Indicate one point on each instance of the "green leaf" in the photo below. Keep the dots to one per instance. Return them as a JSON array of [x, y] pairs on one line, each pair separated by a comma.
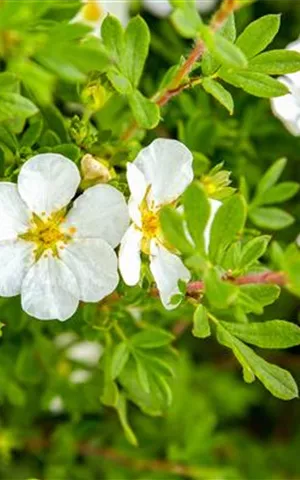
[[9, 82], [280, 193], [272, 334], [136, 47], [222, 49], [201, 327], [271, 218], [254, 297], [186, 20], [258, 35], [113, 36], [14, 105], [270, 177], [255, 83], [228, 223], [33, 132], [119, 82], [173, 229], [276, 62], [142, 374], [253, 250], [196, 211], [120, 357], [278, 381], [219, 93], [220, 294], [291, 265], [69, 150], [121, 408], [151, 338], [144, 110]]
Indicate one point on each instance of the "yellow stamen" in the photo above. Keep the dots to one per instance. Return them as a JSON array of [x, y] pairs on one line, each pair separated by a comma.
[[92, 11], [47, 234]]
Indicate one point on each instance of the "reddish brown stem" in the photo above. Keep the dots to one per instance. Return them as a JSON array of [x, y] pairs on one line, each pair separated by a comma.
[[161, 99], [276, 278]]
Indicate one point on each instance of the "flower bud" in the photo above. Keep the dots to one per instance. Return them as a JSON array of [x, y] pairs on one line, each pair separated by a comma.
[[96, 169]]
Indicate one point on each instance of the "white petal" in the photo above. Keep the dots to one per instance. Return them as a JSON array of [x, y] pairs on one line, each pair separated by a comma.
[[64, 339], [50, 290], [167, 166], [48, 182], [94, 264], [137, 183], [130, 256], [79, 376], [167, 269], [16, 258], [118, 8], [205, 5], [135, 212], [100, 212], [162, 8], [14, 214], [88, 353], [56, 405], [214, 207]]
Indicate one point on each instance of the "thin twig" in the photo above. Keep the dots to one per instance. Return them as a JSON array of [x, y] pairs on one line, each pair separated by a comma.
[[175, 88]]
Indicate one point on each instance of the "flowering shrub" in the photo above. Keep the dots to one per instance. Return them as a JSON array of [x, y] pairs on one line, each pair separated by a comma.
[[143, 218]]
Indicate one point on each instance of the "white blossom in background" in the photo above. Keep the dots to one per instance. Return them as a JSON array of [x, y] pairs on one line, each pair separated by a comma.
[[82, 354], [158, 176], [93, 12], [51, 256], [287, 107], [163, 8]]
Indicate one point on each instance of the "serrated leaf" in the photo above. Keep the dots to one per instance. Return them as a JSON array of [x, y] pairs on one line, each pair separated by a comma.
[[276, 62], [219, 93], [228, 223], [144, 110], [271, 218], [196, 211], [255, 83], [271, 334], [201, 327], [173, 229], [258, 35], [253, 250]]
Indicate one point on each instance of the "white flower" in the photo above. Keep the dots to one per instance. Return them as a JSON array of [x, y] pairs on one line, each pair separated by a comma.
[[287, 107], [51, 256], [162, 8], [93, 13], [158, 176], [88, 353]]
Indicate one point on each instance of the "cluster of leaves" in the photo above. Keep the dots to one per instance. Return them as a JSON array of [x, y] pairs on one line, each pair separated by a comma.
[[64, 91]]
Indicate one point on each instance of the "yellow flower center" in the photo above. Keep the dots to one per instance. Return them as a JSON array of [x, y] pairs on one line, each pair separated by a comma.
[[46, 233], [150, 227], [92, 11]]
